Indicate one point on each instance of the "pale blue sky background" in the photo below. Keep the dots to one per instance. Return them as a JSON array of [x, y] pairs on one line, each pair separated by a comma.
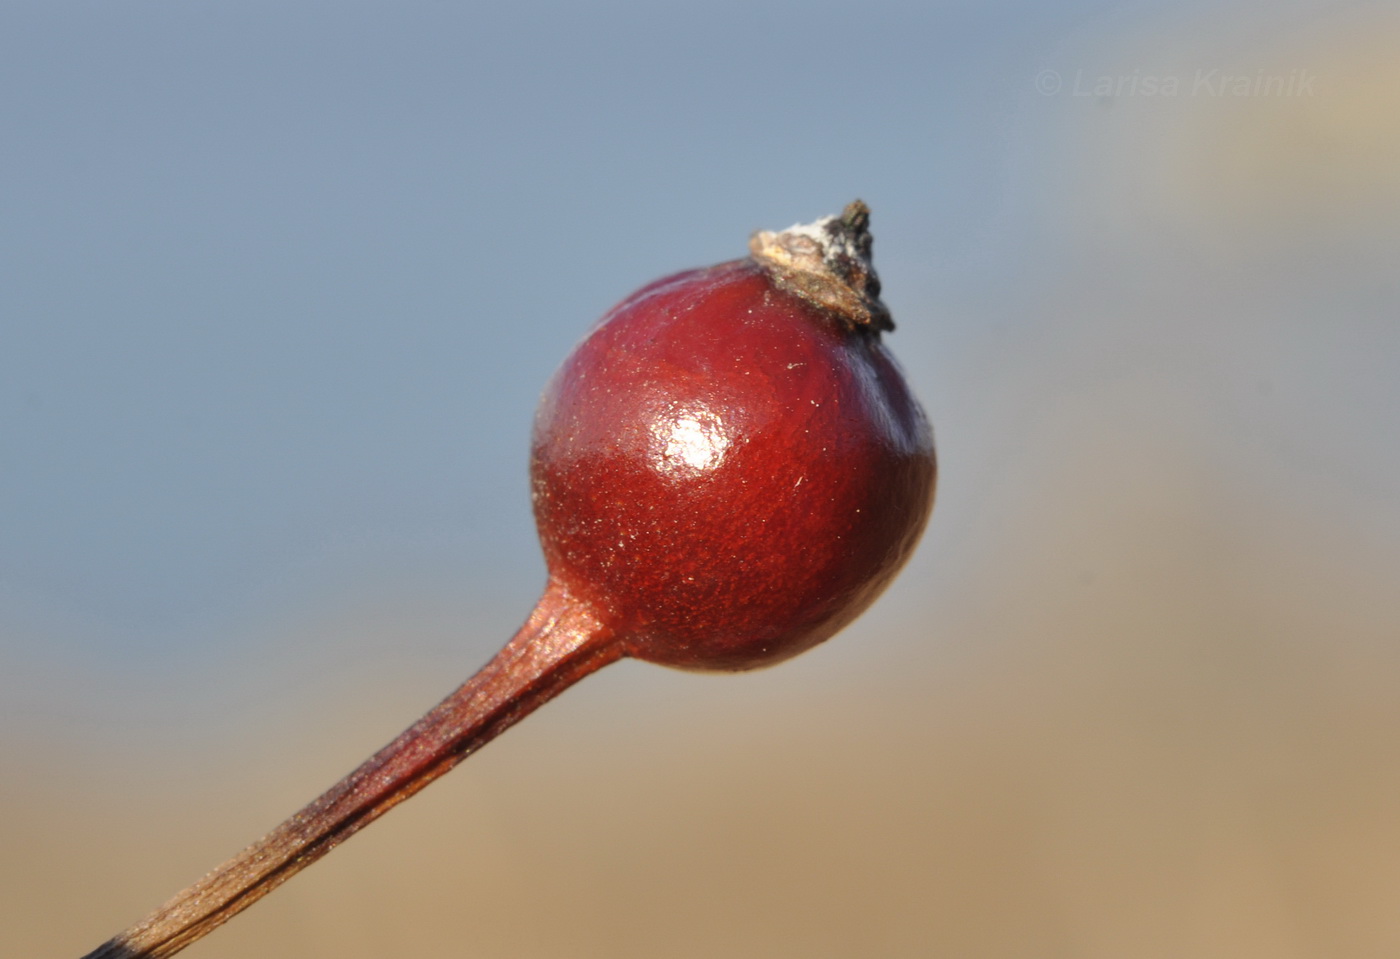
[[281, 282]]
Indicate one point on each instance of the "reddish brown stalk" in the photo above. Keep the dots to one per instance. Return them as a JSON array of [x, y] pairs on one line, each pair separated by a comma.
[[560, 643]]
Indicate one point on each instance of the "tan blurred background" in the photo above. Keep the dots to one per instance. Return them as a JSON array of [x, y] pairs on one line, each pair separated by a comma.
[[1138, 695]]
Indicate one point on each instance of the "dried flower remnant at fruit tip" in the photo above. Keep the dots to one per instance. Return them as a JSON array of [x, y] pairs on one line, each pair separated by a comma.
[[828, 263]]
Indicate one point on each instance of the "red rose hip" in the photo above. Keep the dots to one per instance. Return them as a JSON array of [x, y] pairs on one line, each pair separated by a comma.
[[730, 466], [725, 472]]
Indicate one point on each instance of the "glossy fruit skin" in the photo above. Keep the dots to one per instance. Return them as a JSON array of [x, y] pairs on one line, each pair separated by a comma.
[[727, 471]]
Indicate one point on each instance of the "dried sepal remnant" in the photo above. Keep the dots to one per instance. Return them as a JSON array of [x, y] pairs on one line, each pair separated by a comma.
[[828, 263]]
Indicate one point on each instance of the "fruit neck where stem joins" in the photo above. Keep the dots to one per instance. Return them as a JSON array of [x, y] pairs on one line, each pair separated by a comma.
[[560, 643]]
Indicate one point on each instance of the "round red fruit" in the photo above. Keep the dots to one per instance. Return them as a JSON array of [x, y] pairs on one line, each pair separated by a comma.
[[730, 467]]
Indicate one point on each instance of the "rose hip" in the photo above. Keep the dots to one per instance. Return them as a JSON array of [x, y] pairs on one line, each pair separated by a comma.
[[725, 472], [729, 469]]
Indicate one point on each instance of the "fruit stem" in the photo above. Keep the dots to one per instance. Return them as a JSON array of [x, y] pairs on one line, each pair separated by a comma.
[[561, 642]]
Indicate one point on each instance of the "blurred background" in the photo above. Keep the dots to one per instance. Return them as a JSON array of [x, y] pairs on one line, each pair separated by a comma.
[[280, 284]]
